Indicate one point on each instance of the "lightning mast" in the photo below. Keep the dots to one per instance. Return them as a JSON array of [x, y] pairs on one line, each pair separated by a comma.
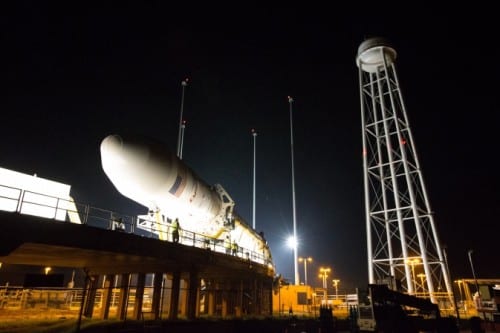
[[180, 138], [295, 241], [254, 135], [402, 238]]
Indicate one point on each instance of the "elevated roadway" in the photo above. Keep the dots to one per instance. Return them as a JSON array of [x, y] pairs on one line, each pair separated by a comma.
[[32, 240]]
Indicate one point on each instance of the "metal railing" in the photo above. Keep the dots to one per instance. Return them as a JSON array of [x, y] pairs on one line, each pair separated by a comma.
[[17, 200]]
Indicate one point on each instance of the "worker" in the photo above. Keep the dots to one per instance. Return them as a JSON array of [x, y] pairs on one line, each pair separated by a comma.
[[261, 234], [175, 230], [207, 243], [117, 224], [234, 248], [227, 244]]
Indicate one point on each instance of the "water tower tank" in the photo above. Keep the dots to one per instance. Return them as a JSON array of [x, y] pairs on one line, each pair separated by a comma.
[[370, 54]]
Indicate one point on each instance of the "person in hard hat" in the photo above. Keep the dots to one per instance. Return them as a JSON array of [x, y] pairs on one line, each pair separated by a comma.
[[175, 230], [227, 244], [234, 248]]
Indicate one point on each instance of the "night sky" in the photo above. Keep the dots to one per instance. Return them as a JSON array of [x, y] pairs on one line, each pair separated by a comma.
[[74, 73]]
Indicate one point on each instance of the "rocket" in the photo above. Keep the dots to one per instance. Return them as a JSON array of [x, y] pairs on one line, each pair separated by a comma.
[[145, 171]]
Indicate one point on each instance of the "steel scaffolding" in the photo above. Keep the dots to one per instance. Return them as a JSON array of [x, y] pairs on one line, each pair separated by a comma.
[[402, 238]]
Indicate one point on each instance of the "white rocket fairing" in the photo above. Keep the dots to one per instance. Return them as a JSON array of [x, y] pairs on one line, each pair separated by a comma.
[[146, 172]]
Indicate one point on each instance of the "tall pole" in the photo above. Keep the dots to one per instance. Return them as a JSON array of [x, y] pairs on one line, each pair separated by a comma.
[[454, 298], [336, 285], [459, 282], [475, 282], [305, 267], [305, 272], [296, 269], [254, 134], [323, 273], [183, 129], [179, 138], [474, 272]]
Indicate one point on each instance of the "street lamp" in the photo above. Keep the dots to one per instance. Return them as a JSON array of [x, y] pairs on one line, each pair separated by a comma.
[[459, 282], [478, 304], [47, 270], [412, 263], [336, 285], [292, 243], [323, 273], [305, 260]]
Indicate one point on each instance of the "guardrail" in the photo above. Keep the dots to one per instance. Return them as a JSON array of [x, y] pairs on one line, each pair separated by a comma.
[[17, 200]]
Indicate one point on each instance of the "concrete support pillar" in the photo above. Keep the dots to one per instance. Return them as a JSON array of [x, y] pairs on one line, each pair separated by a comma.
[[256, 291], [268, 295], [224, 293], [262, 298], [193, 295], [238, 306], [183, 297], [211, 298], [139, 295], [174, 298], [123, 300], [157, 292], [91, 293], [106, 295]]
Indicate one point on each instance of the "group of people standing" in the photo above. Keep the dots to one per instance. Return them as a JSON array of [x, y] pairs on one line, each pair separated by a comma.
[[231, 247]]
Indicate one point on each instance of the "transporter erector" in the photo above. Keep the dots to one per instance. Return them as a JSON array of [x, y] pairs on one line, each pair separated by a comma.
[[145, 171]]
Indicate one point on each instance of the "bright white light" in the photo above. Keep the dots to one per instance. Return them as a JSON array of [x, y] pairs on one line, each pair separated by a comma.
[[292, 242]]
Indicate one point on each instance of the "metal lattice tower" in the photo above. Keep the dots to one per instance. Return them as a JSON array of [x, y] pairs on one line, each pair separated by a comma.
[[402, 239]]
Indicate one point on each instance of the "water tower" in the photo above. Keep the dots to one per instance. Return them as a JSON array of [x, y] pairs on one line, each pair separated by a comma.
[[402, 239]]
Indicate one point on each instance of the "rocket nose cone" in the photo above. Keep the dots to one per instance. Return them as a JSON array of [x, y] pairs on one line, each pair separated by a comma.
[[111, 145], [122, 155]]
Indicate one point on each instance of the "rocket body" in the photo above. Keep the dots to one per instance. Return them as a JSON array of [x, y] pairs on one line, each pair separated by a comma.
[[146, 172]]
